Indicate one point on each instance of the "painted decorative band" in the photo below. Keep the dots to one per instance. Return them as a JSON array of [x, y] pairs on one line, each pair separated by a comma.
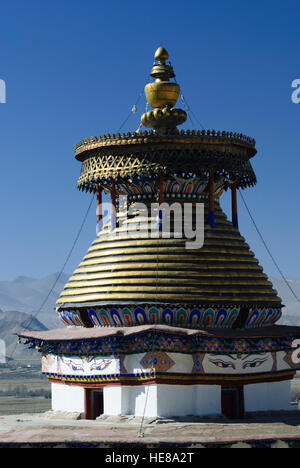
[[197, 317]]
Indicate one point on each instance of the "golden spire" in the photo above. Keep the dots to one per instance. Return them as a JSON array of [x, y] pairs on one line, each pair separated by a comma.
[[162, 95]]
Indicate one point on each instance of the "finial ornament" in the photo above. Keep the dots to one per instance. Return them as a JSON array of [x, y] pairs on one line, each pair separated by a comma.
[[162, 95], [161, 55]]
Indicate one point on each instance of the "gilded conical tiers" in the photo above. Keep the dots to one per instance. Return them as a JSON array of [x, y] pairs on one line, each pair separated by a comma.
[[128, 279]]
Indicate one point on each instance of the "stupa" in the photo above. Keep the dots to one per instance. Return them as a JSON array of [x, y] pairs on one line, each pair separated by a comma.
[[168, 321]]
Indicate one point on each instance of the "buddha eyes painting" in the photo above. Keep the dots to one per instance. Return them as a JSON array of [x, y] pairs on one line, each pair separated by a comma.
[[76, 365], [247, 363]]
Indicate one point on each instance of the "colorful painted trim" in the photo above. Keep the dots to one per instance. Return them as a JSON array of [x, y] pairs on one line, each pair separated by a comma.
[[182, 316], [71, 318], [171, 187], [175, 378], [261, 317], [162, 341]]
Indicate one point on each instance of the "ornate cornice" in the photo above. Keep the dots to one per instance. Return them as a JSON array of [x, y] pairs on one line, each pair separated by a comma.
[[161, 341], [183, 137], [186, 154]]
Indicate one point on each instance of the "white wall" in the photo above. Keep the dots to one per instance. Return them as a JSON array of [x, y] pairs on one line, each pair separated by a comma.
[[116, 400], [268, 396], [162, 400], [112, 397], [175, 400], [207, 400], [184, 400], [130, 400], [68, 398], [171, 400], [143, 400]]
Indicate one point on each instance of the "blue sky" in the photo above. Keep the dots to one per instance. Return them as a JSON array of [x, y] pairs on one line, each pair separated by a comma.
[[75, 68]]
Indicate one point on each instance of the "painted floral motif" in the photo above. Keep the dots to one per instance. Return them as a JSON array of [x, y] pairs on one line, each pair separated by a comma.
[[159, 361], [193, 186]]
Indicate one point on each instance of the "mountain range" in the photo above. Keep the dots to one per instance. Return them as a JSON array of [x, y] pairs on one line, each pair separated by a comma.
[[291, 311], [10, 324], [20, 302], [26, 295]]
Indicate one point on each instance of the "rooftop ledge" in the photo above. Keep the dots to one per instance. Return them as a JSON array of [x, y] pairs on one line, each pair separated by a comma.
[[182, 136], [81, 333]]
